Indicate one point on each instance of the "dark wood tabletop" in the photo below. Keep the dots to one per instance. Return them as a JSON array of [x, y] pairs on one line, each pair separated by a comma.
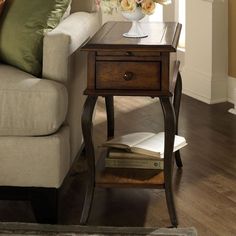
[[162, 36]]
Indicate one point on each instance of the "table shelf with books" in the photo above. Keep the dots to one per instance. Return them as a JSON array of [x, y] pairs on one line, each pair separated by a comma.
[[119, 66], [127, 177], [134, 160]]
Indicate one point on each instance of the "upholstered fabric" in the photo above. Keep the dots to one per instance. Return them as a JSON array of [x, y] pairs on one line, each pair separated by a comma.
[[83, 5], [64, 41], [70, 67], [77, 83], [67, 12], [44, 161], [30, 106], [71, 70], [35, 161], [23, 25], [76, 87]]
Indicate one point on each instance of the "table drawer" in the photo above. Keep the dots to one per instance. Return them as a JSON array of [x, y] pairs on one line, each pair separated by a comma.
[[128, 75]]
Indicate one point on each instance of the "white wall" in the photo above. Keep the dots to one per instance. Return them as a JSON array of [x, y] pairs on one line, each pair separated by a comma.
[[205, 75]]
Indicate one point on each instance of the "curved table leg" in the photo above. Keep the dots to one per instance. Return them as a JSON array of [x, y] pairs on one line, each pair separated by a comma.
[[177, 92], [169, 120], [178, 160], [110, 116], [89, 155], [176, 104]]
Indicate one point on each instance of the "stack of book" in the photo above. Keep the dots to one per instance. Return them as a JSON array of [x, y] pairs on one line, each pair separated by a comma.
[[141, 150]]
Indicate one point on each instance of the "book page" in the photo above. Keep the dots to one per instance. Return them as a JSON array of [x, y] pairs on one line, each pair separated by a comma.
[[179, 143], [155, 145], [128, 140]]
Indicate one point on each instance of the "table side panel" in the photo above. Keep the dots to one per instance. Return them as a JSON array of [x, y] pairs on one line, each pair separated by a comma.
[[91, 70], [172, 61]]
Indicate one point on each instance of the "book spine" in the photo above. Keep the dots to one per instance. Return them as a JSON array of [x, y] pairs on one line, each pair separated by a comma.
[[136, 164], [130, 155]]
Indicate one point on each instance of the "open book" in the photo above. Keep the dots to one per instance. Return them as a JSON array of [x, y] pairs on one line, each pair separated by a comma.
[[145, 143]]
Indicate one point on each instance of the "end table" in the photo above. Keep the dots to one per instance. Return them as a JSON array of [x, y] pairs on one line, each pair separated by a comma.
[[119, 66]]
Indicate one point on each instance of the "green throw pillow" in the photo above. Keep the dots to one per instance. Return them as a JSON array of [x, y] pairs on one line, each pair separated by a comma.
[[22, 27]]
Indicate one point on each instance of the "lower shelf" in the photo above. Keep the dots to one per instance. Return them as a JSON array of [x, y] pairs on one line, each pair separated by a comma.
[[115, 177]]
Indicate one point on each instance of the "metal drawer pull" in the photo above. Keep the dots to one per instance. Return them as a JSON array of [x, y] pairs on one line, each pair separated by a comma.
[[128, 76]]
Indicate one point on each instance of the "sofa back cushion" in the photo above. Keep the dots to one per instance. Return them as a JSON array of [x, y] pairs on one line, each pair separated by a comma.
[[84, 5], [23, 25]]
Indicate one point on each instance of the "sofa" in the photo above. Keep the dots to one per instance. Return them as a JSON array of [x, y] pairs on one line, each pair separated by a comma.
[[40, 128]]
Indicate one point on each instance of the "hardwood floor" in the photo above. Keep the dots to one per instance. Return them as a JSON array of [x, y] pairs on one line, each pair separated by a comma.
[[205, 189]]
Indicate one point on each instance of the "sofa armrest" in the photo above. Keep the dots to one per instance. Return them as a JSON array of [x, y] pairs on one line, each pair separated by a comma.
[[64, 40]]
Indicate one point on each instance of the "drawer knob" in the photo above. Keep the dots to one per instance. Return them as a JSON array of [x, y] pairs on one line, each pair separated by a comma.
[[129, 54], [128, 76]]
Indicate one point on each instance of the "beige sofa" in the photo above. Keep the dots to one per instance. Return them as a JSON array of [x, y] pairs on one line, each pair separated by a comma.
[[40, 133]]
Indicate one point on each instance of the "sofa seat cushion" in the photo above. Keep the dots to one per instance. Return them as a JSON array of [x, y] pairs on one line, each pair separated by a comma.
[[30, 106], [35, 161]]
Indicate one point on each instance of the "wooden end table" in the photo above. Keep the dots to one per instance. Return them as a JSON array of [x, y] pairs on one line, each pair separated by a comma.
[[119, 66]]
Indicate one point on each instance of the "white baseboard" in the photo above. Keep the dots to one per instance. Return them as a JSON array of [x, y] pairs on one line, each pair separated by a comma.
[[231, 89], [202, 98], [204, 87], [200, 91]]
